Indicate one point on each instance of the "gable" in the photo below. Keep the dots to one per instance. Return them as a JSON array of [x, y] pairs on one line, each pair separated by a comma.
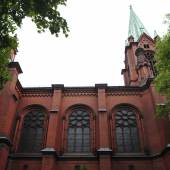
[[146, 42]]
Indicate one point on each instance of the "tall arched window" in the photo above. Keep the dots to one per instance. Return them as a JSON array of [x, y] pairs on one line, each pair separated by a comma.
[[127, 137], [32, 133], [78, 134], [152, 62]]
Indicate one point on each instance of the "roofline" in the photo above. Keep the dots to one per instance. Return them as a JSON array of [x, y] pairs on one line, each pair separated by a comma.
[[89, 88]]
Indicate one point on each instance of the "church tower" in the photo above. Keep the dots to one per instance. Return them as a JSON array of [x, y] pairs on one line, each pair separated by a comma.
[[139, 53]]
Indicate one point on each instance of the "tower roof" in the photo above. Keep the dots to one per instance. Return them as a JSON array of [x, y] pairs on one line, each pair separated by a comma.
[[136, 27]]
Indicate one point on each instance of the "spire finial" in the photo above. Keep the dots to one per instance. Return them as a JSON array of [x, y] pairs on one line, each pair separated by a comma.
[[130, 7]]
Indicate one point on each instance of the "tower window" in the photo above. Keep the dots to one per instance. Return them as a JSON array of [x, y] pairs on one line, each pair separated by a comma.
[[152, 62], [146, 45], [32, 132], [127, 138], [78, 135]]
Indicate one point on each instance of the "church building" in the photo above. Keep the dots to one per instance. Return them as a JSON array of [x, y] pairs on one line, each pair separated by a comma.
[[88, 128]]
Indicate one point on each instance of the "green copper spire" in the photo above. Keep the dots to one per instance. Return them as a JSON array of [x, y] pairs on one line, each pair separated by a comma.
[[136, 28]]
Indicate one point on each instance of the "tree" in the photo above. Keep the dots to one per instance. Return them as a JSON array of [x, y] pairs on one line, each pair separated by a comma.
[[162, 80], [44, 13]]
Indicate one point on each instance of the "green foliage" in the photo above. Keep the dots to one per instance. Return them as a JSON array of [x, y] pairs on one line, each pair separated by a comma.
[[44, 13], [162, 81], [5, 53]]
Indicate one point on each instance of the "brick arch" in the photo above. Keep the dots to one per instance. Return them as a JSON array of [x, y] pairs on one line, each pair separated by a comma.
[[20, 122], [27, 108], [92, 126], [127, 105], [139, 120], [79, 105]]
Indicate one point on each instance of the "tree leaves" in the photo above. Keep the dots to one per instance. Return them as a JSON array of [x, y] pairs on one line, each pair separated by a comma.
[[44, 14], [162, 81]]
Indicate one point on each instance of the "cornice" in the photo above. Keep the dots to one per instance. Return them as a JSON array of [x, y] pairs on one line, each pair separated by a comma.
[[83, 91], [101, 86], [15, 65], [33, 91], [49, 151], [37, 92], [91, 156], [36, 95], [57, 86], [124, 93], [104, 151], [128, 90]]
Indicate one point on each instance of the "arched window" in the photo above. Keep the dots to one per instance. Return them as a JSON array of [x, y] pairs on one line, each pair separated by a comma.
[[32, 133], [78, 133], [127, 138], [152, 62]]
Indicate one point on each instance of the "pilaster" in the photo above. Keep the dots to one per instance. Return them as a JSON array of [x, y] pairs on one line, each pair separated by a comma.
[[52, 148], [8, 105], [9, 100], [104, 152], [102, 115]]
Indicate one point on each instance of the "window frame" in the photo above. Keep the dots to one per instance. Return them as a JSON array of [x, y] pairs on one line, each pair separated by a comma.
[[91, 129], [19, 129], [139, 126]]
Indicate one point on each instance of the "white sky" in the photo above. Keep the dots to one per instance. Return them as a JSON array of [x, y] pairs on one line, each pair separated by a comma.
[[94, 51]]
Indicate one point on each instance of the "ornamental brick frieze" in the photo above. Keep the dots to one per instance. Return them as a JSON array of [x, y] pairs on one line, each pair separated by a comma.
[[36, 95], [79, 94], [36, 92], [124, 93], [70, 92]]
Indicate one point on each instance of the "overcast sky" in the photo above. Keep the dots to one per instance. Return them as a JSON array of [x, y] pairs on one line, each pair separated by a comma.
[[94, 51]]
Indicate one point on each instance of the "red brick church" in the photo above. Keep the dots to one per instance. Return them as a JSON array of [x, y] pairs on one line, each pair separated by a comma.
[[88, 128]]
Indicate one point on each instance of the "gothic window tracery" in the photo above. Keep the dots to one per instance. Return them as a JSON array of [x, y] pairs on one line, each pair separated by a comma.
[[32, 133], [127, 138], [78, 134], [150, 58]]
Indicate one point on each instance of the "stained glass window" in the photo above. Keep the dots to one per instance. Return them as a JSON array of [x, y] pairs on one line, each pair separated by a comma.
[[127, 138], [32, 132], [78, 138]]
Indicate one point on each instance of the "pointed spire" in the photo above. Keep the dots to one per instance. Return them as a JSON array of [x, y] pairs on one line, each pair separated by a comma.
[[136, 27]]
